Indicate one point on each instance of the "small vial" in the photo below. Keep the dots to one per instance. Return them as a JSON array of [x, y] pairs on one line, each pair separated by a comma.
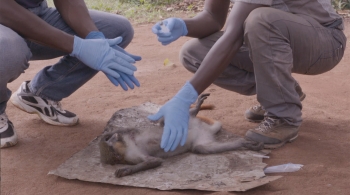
[[163, 28]]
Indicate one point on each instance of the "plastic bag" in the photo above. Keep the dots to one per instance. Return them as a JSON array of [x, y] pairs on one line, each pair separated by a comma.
[[290, 167], [168, 63]]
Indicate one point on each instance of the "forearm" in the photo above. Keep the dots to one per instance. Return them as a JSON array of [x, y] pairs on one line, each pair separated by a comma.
[[202, 25], [210, 20], [28, 25], [215, 62], [224, 49], [76, 15]]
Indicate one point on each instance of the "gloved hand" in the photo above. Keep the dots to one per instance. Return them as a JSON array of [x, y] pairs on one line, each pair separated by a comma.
[[99, 55], [176, 28], [176, 113], [130, 80]]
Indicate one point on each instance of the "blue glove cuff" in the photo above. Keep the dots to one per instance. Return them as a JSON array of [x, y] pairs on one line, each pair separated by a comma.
[[76, 46], [95, 35], [187, 93], [184, 27]]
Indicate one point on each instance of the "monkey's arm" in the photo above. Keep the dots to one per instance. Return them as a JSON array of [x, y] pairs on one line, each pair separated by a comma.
[[149, 163]]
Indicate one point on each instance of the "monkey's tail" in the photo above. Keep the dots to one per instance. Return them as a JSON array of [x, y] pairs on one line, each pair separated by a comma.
[[205, 107]]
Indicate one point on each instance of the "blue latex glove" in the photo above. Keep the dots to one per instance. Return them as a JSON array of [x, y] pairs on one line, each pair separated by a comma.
[[176, 28], [124, 80], [176, 113], [98, 54]]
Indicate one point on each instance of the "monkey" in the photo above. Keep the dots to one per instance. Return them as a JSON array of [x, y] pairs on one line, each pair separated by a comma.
[[141, 149]]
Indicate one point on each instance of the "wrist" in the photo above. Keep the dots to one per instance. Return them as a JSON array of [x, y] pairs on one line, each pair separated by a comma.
[[95, 35], [184, 27], [187, 93], [67, 43], [77, 42]]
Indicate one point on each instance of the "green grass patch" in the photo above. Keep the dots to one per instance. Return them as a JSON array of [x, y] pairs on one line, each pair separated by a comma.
[[138, 11], [341, 4], [144, 11]]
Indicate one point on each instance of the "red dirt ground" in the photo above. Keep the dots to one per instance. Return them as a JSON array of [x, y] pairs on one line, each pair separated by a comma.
[[323, 144]]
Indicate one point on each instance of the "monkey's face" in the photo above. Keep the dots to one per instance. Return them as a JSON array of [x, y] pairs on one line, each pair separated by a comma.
[[117, 147]]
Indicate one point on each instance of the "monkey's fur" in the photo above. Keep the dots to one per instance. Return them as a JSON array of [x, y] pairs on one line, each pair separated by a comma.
[[141, 149]]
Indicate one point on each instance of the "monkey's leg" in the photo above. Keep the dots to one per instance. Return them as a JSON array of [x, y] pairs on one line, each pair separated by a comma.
[[150, 163], [194, 111], [217, 147]]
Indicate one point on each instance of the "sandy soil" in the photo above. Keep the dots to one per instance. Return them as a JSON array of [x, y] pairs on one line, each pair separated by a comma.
[[323, 144]]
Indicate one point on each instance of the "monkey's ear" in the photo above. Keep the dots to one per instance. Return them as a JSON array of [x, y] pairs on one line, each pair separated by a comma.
[[112, 139], [106, 137], [109, 143]]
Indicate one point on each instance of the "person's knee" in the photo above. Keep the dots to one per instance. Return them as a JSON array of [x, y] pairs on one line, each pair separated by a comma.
[[259, 20], [128, 33], [188, 55], [14, 57], [119, 26]]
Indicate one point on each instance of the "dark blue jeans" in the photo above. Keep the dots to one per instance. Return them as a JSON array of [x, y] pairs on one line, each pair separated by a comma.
[[60, 80]]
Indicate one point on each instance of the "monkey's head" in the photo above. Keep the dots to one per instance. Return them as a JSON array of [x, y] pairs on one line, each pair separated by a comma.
[[112, 149]]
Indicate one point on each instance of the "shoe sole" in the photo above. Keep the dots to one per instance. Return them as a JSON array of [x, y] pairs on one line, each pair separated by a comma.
[[253, 121], [9, 142], [15, 101], [275, 146], [302, 97]]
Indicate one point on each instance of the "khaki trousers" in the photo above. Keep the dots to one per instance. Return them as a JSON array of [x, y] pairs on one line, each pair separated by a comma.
[[276, 44]]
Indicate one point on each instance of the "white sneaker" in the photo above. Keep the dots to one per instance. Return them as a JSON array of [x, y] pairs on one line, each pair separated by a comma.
[[7, 133], [49, 111]]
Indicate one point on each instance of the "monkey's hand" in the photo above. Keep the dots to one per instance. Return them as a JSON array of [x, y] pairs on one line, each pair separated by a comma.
[[253, 145], [123, 172]]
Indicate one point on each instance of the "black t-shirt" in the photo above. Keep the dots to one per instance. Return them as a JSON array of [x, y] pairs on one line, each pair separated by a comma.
[[29, 3]]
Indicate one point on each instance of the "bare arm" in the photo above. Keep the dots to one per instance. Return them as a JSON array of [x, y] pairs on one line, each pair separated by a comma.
[[30, 26], [76, 15], [210, 20], [224, 49]]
